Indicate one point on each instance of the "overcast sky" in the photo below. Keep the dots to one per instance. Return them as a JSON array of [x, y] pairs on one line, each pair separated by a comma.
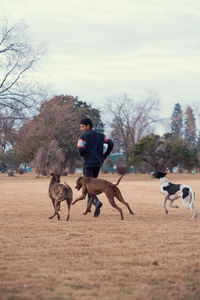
[[100, 49]]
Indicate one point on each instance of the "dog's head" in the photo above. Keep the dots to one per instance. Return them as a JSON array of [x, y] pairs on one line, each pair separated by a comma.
[[158, 174], [55, 178], [79, 183]]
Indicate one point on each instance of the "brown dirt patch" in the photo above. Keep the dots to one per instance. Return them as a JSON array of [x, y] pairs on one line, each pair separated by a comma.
[[146, 256]]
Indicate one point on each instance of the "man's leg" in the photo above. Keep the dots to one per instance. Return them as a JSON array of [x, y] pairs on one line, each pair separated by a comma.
[[93, 172], [98, 203], [88, 172]]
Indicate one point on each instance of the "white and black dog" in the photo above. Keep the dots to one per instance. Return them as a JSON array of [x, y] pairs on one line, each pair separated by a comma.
[[173, 191]]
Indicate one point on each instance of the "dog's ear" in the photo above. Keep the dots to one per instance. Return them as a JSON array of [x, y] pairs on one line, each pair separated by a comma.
[[51, 174], [160, 174], [78, 183]]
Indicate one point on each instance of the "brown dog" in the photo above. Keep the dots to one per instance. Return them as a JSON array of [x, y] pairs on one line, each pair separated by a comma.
[[59, 192], [94, 186]]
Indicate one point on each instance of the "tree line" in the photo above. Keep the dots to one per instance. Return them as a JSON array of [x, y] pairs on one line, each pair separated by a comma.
[[49, 139], [180, 147], [42, 130]]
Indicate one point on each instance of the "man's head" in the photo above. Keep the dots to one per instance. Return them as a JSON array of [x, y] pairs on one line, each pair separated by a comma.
[[85, 124]]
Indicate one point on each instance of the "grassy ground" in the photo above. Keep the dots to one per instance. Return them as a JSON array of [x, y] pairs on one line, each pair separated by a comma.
[[146, 256]]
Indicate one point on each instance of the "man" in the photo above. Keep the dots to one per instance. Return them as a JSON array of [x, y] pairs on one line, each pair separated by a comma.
[[91, 148]]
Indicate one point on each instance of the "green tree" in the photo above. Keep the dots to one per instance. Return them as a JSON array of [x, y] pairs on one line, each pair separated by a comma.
[[161, 153], [12, 161], [177, 121], [7, 133]]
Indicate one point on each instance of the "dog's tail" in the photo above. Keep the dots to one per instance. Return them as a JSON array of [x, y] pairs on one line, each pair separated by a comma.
[[66, 184], [119, 180], [192, 195], [195, 213]]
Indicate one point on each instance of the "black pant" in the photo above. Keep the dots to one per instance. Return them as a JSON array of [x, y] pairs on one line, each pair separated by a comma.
[[92, 172]]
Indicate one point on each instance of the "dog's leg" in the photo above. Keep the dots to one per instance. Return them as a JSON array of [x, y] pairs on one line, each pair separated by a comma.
[[52, 216], [84, 194], [173, 205], [68, 206], [118, 195], [92, 197], [164, 204], [57, 202], [57, 205], [53, 202], [78, 199], [112, 202]]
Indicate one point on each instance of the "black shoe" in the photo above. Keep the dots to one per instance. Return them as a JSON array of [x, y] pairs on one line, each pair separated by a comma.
[[97, 209]]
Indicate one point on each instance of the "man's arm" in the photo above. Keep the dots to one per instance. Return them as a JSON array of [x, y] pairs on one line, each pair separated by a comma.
[[110, 144], [81, 146]]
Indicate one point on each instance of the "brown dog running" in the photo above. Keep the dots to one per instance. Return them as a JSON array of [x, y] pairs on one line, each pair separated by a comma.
[[59, 192], [94, 186]]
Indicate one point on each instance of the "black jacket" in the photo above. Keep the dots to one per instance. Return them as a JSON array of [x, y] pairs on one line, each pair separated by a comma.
[[91, 148]]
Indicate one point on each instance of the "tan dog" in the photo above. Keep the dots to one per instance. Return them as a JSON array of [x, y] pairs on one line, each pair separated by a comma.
[[94, 186], [59, 192]]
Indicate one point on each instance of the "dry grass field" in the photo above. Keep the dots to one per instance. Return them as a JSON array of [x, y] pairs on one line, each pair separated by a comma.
[[146, 256]]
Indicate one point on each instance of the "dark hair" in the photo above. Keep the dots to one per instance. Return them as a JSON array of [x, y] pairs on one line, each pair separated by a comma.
[[86, 122]]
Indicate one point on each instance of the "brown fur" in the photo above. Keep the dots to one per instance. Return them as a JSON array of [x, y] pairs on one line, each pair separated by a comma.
[[94, 186], [59, 192]]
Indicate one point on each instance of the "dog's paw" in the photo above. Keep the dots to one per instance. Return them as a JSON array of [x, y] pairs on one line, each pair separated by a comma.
[[73, 203]]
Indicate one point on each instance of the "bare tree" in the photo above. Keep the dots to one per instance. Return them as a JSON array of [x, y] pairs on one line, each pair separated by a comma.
[[131, 120], [190, 127], [196, 111], [7, 133], [49, 159], [17, 58]]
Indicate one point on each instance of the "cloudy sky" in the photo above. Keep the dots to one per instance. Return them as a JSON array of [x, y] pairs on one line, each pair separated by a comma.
[[101, 49]]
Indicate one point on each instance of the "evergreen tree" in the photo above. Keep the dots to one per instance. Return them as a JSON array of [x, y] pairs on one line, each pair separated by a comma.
[[190, 128], [177, 121]]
